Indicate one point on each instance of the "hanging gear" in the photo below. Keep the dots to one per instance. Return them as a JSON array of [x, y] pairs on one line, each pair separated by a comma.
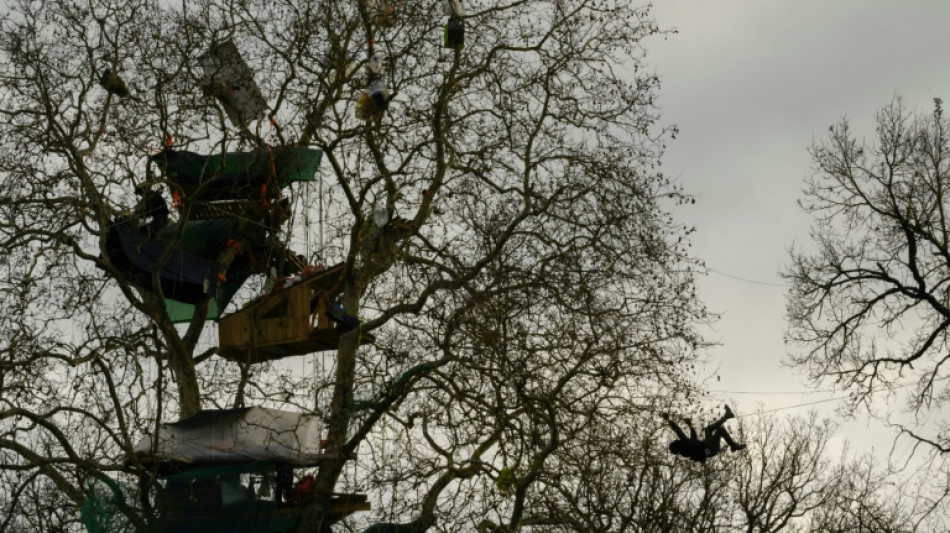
[[113, 84], [454, 34], [379, 94], [374, 100]]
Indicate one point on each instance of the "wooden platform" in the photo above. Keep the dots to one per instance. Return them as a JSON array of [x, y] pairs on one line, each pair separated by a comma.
[[343, 505], [288, 322], [249, 209]]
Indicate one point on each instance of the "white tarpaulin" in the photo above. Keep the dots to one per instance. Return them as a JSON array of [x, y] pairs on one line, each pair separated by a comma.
[[228, 78], [237, 436]]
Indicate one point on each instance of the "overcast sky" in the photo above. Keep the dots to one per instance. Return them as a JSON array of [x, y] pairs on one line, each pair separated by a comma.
[[751, 83]]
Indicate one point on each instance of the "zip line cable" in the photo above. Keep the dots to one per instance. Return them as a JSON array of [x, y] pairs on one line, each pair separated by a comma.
[[827, 400], [772, 393], [721, 393], [826, 391], [745, 280], [796, 406]]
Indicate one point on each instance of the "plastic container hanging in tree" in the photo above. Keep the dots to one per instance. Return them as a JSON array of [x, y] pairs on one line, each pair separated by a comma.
[[454, 35]]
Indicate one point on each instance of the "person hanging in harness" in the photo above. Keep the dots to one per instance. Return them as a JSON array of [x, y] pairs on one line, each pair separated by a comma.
[[698, 450]]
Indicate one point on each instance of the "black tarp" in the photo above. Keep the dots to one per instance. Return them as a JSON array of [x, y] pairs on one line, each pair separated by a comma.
[[190, 273]]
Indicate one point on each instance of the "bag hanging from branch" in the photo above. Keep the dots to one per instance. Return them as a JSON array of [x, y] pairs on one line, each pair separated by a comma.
[[454, 35], [374, 100], [113, 84]]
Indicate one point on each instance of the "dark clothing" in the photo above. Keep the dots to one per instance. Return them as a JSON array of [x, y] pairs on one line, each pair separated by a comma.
[[694, 449], [698, 450], [345, 321], [152, 207], [285, 484]]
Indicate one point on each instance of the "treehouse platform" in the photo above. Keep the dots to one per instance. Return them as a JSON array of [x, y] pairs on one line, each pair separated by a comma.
[[287, 322]]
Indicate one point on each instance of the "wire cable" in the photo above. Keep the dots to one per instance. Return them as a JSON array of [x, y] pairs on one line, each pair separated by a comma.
[[746, 280], [834, 399]]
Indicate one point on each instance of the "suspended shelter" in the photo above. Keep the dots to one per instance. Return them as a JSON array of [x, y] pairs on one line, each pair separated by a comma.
[[228, 471], [233, 205], [256, 176], [230, 80], [234, 436], [301, 318], [212, 258]]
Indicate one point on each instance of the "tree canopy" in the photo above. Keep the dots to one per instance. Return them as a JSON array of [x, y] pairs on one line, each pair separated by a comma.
[[868, 306], [516, 302], [498, 206]]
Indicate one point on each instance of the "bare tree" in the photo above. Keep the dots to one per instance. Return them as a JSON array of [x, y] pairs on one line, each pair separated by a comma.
[[788, 474], [864, 498], [502, 224], [785, 480], [869, 306]]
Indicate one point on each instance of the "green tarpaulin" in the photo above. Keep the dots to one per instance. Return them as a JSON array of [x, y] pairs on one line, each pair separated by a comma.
[[237, 175], [181, 312]]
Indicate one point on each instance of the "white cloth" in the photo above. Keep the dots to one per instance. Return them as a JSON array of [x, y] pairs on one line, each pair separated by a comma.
[[238, 435], [453, 8]]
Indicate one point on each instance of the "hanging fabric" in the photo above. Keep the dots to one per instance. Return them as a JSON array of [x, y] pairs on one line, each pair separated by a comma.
[[229, 79], [190, 273]]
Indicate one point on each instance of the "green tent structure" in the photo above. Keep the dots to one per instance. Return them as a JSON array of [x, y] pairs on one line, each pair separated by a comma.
[[236, 175], [230, 198]]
